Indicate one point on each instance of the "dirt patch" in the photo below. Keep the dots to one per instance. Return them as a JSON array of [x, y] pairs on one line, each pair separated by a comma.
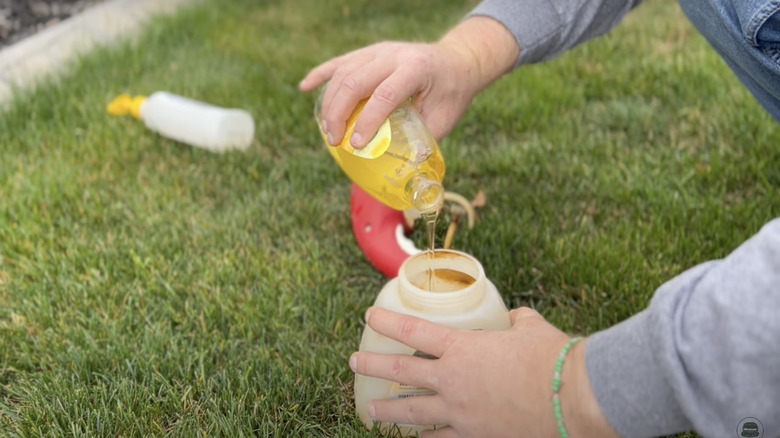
[[22, 18]]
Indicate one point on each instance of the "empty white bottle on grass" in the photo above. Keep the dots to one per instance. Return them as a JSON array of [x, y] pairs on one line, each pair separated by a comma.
[[189, 121], [449, 288]]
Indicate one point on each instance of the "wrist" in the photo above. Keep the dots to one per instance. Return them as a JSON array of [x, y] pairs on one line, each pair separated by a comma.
[[487, 47], [581, 412]]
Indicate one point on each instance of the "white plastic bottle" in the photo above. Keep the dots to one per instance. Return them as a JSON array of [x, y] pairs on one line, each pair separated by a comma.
[[189, 121], [450, 289]]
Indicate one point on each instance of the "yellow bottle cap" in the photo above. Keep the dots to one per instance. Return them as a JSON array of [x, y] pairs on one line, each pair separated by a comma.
[[125, 105]]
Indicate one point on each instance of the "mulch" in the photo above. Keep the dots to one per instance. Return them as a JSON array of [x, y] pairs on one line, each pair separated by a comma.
[[22, 18]]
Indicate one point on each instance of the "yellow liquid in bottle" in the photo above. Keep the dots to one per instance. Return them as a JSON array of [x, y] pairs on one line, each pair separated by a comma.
[[408, 167]]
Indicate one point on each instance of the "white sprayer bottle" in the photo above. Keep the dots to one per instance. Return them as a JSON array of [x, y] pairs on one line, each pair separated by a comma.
[[449, 288], [189, 121]]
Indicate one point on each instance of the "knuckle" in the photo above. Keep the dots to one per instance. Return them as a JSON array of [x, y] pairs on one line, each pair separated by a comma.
[[386, 94], [449, 339], [350, 83], [384, 45], [412, 411], [406, 330], [398, 369], [422, 61], [525, 312]]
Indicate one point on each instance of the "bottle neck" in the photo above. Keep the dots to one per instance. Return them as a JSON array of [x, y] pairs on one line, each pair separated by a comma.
[[425, 193], [442, 282]]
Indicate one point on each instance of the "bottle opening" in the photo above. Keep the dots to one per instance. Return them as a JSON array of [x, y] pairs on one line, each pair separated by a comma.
[[449, 281], [427, 194]]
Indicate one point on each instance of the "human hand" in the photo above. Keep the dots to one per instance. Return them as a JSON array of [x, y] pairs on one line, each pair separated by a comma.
[[488, 383], [441, 78], [436, 76]]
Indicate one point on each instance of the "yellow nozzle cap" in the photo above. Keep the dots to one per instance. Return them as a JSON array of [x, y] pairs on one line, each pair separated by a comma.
[[126, 105]]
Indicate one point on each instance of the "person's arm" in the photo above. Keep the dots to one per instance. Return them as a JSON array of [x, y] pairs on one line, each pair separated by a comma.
[[580, 409], [704, 355], [490, 45], [443, 77], [544, 29]]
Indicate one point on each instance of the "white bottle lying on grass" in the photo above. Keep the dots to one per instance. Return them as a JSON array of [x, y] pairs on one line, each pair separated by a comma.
[[189, 121]]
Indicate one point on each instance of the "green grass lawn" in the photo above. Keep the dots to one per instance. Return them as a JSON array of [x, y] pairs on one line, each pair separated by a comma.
[[151, 289]]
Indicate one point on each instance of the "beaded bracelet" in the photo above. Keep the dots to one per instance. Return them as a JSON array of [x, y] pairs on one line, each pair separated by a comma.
[[557, 386]]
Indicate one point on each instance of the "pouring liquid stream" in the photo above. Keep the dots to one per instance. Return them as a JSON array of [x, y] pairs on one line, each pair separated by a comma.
[[430, 226]]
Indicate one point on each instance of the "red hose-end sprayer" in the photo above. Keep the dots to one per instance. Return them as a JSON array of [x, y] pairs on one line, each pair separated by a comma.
[[380, 232]]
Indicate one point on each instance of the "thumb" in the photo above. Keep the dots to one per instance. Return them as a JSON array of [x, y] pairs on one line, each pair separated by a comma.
[[523, 314]]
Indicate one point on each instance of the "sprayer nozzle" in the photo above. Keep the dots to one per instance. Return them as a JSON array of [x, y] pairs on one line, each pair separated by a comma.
[[125, 105]]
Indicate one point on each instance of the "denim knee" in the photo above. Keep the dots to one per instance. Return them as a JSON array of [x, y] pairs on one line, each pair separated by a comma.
[[746, 33]]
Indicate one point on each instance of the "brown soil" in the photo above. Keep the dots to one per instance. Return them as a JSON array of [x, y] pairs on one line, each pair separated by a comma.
[[22, 18]]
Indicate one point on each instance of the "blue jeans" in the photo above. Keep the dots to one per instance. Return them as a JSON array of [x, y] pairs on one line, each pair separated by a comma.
[[746, 33]]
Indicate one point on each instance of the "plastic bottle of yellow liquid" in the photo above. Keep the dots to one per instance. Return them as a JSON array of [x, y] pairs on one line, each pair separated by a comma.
[[450, 289], [401, 166], [189, 121]]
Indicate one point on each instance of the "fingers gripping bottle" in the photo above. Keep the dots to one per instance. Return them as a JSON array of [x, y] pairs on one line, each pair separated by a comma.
[[401, 166], [450, 289]]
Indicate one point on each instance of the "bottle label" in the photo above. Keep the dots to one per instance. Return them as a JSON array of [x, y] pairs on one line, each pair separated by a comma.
[[400, 391], [375, 148], [378, 144]]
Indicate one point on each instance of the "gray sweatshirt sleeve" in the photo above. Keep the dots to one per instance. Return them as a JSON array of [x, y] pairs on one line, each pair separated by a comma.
[[546, 28], [704, 355]]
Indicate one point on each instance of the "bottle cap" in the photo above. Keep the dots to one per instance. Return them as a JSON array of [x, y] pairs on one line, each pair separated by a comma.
[[125, 104]]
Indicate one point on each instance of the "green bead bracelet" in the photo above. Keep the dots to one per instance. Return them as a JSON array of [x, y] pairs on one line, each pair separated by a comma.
[[557, 386]]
